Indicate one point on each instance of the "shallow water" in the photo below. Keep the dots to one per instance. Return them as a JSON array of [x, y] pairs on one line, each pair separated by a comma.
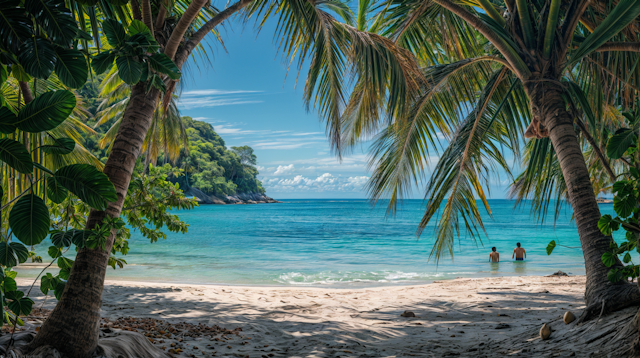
[[341, 243]]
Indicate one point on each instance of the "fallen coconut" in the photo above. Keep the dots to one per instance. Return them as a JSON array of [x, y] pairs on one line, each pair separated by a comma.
[[545, 332], [569, 317], [408, 314]]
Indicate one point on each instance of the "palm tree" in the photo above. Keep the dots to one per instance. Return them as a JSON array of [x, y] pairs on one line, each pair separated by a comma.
[[167, 132], [307, 30], [542, 70]]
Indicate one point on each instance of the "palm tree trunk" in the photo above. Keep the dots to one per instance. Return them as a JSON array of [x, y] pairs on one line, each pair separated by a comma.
[[549, 108], [73, 325]]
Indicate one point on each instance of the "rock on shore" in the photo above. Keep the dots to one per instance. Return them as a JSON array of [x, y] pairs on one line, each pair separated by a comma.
[[242, 198]]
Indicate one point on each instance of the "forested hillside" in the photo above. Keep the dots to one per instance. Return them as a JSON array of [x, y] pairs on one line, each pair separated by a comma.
[[197, 149]]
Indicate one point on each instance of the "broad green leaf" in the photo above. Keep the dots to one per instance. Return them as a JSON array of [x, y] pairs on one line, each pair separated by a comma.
[[551, 246], [71, 67], [64, 274], [9, 284], [627, 258], [87, 183], [606, 224], [163, 64], [622, 15], [56, 192], [60, 284], [80, 237], [46, 112], [60, 146], [54, 252], [608, 259], [114, 31], [620, 142], [15, 26], [13, 253], [18, 304], [624, 204], [15, 155], [19, 74], [138, 26], [7, 120], [37, 57], [128, 69], [29, 219], [55, 18], [103, 61], [47, 282], [64, 263], [614, 275]]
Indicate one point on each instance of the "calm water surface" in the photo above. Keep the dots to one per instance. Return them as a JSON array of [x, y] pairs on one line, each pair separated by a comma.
[[341, 243]]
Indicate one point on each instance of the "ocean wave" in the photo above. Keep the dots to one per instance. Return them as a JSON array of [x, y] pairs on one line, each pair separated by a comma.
[[363, 277]]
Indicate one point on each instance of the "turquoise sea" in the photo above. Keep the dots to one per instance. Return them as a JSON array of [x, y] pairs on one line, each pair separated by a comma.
[[340, 243]]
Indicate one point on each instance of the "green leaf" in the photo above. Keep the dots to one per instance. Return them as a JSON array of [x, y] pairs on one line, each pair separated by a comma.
[[624, 204], [61, 146], [606, 224], [13, 253], [37, 57], [103, 61], [128, 69], [163, 64], [614, 275], [87, 183], [60, 285], [29, 219], [64, 263], [620, 142], [9, 284], [47, 283], [64, 274], [608, 259], [62, 238], [156, 82], [55, 18], [71, 67], [46, 112], [19, 304], [56, 192], [634, 172], [551, 246], [7, 119], [15, 26], [4, 75], [138, 26], [15, 155], [80, 237], [627, 258], [622, 15], [19, 74], [54, 252], [114, 31]]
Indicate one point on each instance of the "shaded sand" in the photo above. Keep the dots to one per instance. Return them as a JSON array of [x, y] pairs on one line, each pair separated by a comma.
[[485, 317]]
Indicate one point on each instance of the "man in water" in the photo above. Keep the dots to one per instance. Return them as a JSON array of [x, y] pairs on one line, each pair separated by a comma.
[[519, 253], [494, 256]]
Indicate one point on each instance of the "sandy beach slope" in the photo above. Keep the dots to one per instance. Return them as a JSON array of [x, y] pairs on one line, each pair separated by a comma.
[[480, 317]]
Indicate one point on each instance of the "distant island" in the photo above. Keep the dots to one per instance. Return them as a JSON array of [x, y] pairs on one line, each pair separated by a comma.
[[215, 174]]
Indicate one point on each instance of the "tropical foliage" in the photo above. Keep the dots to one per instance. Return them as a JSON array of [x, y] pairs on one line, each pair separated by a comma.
[[214, 169]]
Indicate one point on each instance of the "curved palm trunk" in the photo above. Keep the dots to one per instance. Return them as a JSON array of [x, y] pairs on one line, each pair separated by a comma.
[[549, 108], [73, 325]]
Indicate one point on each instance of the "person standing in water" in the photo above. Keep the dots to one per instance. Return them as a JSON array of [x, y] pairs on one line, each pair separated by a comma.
[[494, 256], [519, 253]]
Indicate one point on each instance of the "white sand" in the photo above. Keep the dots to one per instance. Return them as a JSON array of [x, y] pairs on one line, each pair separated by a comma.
[[462, 317]]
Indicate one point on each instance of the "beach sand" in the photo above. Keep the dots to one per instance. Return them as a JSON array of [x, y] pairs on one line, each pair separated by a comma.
[[470, 317]]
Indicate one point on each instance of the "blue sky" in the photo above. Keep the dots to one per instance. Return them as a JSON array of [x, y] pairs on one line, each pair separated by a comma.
[[249, 95]]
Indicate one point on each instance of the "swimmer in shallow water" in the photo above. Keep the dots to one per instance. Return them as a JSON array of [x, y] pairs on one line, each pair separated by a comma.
[[519, 253], [494, 256]]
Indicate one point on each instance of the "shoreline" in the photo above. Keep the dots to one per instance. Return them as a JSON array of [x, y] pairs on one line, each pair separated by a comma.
[[471, 317]]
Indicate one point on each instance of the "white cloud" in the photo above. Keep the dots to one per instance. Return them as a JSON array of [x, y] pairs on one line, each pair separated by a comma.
[[214, 92], [284, 169], [216, 98], [322, 183]]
